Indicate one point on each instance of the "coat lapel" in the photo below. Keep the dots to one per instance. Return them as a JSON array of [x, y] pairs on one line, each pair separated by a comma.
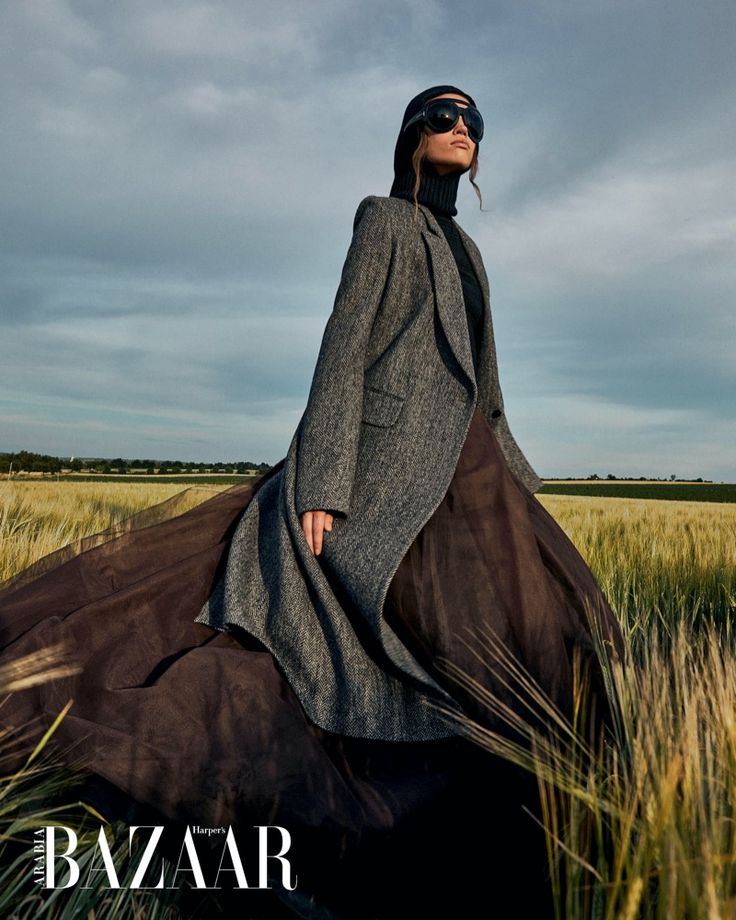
[[449, 292]]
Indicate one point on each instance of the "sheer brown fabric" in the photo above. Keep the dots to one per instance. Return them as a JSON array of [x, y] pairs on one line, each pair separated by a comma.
[[493, 586], [217, 513], [202, 727]]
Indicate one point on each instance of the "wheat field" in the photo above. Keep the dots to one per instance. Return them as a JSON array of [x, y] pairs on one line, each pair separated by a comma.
[[642, 826], [656, 560], [38, 517]]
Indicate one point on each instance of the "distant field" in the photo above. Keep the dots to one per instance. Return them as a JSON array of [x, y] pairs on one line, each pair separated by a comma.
[[670, 491], [604, 488], [180, 479]]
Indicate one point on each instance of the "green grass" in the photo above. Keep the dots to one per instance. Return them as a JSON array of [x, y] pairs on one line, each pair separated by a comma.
[[685, 491]]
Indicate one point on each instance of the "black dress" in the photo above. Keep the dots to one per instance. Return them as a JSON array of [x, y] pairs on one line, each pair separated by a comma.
[[181, 724]]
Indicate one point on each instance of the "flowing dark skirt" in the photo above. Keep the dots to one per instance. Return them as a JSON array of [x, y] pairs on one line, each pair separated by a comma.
[[175, 720]]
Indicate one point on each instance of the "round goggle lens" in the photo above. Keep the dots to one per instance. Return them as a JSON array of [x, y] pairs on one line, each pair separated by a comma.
[[443, 114]]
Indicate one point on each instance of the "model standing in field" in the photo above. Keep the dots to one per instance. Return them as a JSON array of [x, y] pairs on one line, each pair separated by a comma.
[[278, 651]]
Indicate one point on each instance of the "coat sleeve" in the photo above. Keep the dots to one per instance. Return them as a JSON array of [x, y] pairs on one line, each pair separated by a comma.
[[330, 426]]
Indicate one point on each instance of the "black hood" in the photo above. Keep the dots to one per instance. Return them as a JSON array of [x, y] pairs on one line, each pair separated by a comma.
[[437, 192]]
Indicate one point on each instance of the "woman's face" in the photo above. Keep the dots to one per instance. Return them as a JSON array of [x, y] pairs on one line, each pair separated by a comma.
[[450, 150]]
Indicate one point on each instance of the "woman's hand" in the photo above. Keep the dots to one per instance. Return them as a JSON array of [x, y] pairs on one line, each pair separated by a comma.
[[314, 523]]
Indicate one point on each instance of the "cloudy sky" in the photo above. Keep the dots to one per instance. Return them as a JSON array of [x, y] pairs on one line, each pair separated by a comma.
[[178, 182]]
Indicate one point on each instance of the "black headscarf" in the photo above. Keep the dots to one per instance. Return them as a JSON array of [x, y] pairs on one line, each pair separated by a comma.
[[436, 191]]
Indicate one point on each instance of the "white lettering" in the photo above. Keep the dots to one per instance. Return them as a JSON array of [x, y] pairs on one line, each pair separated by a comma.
[[193, 858], [263, 856], [232, 846], [109, 869], [51, 857], [147, 855]]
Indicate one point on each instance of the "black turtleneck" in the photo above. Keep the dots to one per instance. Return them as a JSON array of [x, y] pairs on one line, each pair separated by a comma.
[[438, 193]]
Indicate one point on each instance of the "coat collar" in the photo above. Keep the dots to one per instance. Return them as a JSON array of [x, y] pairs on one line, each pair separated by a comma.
[[450, 302]]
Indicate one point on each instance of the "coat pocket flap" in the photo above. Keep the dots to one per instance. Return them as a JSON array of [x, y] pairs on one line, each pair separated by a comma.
[[381, 407]]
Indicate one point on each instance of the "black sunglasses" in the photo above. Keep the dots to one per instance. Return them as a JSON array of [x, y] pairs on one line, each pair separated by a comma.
[[442, 114]]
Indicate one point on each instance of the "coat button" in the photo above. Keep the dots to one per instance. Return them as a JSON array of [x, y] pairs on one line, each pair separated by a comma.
[[495, 413]]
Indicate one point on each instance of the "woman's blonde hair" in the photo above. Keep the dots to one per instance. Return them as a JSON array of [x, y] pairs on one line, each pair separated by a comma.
[[416, 162]]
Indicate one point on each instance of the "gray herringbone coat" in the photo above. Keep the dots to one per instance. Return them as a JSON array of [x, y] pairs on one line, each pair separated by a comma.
[[390, 405]]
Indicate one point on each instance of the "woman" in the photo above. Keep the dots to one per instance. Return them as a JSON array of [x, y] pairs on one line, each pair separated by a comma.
[[309, 690]]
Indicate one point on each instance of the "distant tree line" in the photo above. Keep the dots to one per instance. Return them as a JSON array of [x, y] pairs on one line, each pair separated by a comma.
[[671, 478], [26, 461]]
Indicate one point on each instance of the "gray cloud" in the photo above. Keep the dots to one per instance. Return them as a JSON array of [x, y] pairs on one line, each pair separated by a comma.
[[179, 180]]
